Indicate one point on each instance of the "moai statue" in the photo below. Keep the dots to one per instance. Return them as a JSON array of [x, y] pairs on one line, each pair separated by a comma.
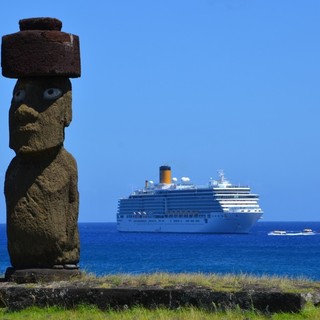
[[41, 181]]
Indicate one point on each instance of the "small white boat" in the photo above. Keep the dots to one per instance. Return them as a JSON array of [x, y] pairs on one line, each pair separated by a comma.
[[304, 232]]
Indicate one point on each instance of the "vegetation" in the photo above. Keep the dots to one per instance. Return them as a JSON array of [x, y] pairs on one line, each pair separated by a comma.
[[225, 283], [91, 313]]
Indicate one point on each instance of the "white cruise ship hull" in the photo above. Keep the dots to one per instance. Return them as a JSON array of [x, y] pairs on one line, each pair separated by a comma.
[[218, 223]]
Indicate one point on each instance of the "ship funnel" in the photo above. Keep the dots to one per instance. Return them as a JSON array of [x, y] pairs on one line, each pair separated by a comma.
[[165, 174]]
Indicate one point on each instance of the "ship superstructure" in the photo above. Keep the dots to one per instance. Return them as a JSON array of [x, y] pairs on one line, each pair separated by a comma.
[[172, 206]]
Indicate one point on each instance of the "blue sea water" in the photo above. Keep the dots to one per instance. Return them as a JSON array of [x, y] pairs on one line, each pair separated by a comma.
[[106, 251]]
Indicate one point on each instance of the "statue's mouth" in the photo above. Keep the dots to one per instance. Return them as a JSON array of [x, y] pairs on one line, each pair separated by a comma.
[[27, 127]]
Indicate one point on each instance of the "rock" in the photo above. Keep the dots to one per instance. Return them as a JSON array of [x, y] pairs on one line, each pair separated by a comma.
[[40, 275], [312, 297], [42, 210], [71, 294]]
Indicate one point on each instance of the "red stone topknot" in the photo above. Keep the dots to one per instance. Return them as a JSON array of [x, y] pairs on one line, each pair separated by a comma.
[[40, 49]]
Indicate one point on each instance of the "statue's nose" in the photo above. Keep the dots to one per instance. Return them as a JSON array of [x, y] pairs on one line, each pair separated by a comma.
[[26, 114]]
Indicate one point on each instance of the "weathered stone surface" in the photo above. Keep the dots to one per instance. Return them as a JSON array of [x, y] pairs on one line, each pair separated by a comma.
[[41, 181], [40, 110], [71, 294], [40, 49], [312, 297], [40, 275], [42, 209]]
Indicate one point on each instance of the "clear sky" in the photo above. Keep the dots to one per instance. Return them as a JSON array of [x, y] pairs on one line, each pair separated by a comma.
[[198, 85]]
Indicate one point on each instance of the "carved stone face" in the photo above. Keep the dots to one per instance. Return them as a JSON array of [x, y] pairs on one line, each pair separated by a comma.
[[40, 110]]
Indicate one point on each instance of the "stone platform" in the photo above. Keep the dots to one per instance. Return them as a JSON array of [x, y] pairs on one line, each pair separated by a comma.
[[41, 275], [69, 294]]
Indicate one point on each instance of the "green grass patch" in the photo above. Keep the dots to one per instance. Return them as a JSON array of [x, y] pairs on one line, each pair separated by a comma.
[[92, 313]]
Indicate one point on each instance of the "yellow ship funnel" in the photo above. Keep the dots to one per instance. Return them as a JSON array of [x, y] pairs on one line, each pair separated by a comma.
[[165, 174]]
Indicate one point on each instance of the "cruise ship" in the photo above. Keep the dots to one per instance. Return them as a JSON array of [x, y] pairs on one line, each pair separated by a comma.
[[172, 206]]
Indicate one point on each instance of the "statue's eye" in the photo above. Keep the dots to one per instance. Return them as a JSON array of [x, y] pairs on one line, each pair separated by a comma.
[[19, 95], [52, 93]]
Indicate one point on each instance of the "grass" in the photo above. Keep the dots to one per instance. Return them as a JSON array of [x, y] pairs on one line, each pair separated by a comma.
[[225, 283], [92, 313]]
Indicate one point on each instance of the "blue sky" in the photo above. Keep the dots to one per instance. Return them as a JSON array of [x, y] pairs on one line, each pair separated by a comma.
[[199, 85]]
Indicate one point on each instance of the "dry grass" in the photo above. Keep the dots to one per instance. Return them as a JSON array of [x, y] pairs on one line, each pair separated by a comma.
[[229, 282]]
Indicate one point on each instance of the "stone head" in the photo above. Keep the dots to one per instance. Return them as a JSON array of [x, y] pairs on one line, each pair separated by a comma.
[[40, 110], [42, 58]]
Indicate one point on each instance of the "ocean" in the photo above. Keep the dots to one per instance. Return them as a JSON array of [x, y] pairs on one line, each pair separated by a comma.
[[106, 251]]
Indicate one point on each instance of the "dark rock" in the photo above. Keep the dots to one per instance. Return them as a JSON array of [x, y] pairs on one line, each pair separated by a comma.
[[40, 275], [42, 210], [270, 302], [40, 24], [17, 297]]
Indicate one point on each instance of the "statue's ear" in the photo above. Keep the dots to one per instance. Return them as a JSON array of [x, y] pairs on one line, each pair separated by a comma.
[[68, 116], [67, 101]]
